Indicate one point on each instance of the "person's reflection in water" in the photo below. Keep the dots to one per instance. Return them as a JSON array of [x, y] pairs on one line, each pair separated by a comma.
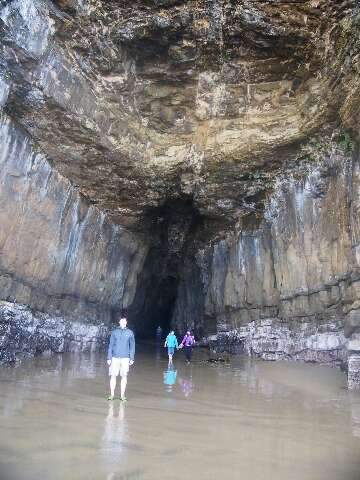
[[158, 353], [170, 378], [186, 385], [112, 442]]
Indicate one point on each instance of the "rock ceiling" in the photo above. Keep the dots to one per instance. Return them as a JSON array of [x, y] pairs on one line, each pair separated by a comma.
[[145, 102]]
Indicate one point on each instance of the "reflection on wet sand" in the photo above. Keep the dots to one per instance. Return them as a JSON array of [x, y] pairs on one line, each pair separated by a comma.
[[249, 419], [170, 375], [186, 384], [114, 438]]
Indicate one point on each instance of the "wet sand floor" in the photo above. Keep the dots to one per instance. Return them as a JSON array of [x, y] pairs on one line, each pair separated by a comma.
[[250, 420]]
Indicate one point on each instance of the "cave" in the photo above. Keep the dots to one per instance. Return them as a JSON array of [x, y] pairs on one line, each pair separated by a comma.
[[188, 164], [193, 166]]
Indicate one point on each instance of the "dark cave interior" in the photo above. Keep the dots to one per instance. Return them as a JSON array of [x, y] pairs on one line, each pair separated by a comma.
[[174, 226]]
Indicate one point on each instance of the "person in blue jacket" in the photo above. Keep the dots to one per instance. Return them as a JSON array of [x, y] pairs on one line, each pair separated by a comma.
[[171, 343], [121, 354]]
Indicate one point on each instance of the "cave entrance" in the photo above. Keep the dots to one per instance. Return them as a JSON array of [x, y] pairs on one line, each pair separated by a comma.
[[162, 308], [172, 228], [155, 308]]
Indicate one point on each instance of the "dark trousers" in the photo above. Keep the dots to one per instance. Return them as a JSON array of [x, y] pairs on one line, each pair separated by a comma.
[[188, 353]]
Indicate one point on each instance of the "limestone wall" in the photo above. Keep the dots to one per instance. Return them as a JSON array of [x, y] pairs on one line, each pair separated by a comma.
[[58, 253], [289, 287]]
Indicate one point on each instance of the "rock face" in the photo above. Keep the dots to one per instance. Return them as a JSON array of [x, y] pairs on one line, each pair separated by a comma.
[[24, 334], [194, 161], [58, 254], [288, 287], [177, 98]]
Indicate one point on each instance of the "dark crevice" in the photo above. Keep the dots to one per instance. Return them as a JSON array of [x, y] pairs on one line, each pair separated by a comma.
[[174, 227]]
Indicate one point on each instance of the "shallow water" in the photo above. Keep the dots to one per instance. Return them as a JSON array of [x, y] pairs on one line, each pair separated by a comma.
[[250, 420]]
